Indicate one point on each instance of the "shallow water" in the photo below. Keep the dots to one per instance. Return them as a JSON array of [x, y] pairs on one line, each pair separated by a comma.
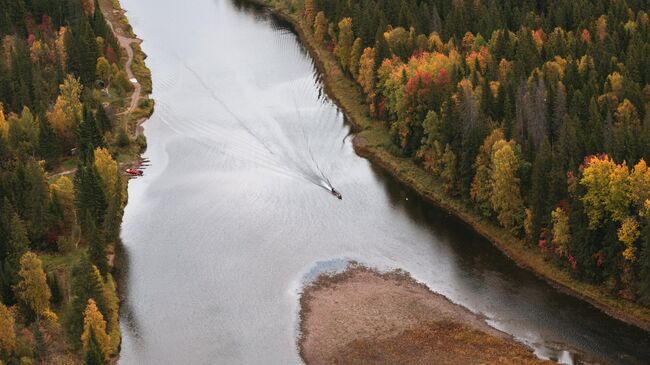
[[233, 215]]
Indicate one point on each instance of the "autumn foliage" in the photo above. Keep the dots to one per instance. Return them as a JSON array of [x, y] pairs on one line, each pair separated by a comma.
[[502, 107]]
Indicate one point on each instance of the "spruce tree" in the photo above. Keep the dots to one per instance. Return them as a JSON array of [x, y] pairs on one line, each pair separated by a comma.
[[97, 248], [89, 196], [87, 283], [88, 135], [47, 141], [94, 354]]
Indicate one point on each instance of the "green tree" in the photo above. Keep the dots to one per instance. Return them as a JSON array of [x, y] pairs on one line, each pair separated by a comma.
[[47, 144], [89, 196], [17, 245], [539, 193], [87, 283], [94, 354], [97, 248]]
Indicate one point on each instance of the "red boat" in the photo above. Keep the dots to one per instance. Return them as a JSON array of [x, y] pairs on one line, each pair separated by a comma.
[[134, 172]]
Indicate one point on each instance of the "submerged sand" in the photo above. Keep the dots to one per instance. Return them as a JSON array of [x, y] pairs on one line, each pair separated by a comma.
[[362, 316]]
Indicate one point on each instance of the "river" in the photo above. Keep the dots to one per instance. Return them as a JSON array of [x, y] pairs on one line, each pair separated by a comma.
[[233, 216]]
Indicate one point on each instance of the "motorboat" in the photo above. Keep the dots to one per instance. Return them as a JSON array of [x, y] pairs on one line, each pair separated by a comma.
[[337, 194], [134, 172]]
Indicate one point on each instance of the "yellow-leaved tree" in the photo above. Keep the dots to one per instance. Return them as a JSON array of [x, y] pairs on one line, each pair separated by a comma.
[[506, 195], [4, 126], [112, 308], [107, 170], [320, 27], [32, 288], [103, 70], [309, 11], [561, 231], [67, 108], [64, 191], [94, 322], [366, 77], [7, 330], [608, 190], [344, 45], [628, 233], [355, 55], [481, 188], [640, 184]]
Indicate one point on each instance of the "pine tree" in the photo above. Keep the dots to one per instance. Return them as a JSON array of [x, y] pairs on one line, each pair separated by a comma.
[[17, 245], [88, 135], [97, 248], [539, 192], [47, 143], [87, 283], [104, 122], [89, 196], [94, 354]]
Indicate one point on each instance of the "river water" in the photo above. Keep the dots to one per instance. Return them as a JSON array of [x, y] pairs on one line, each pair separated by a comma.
[[232, 215]]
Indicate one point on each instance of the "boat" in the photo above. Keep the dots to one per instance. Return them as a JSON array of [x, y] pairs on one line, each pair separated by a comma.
[[337, 194], [134, 172]]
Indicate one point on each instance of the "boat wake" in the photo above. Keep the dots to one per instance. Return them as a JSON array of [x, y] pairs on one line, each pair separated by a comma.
[[283, 146]]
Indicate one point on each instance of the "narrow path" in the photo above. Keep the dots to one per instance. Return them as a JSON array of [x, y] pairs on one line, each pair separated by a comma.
[[125, 42]]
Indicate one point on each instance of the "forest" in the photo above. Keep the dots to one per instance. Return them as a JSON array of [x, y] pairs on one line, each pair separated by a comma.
[[536, 114], [61, 83]]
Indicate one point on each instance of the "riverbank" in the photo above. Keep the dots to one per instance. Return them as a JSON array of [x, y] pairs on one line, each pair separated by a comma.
[[362, 316], [370, 143], [129, 111]]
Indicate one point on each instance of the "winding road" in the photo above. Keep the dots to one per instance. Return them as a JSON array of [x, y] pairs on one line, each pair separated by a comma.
[[125, 42]]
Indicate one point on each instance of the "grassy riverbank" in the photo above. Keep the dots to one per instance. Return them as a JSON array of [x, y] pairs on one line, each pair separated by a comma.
[[370, 142]]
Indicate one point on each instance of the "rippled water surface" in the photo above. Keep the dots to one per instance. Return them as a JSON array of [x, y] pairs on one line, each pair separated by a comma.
[[233, 215]]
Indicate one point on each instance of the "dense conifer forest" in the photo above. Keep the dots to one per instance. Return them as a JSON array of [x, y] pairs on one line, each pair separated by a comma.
[[61, 84], [534, 113]]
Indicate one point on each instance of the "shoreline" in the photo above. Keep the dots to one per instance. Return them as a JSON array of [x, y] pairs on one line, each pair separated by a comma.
[[362, 316], [134, 114], [368, 143]]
